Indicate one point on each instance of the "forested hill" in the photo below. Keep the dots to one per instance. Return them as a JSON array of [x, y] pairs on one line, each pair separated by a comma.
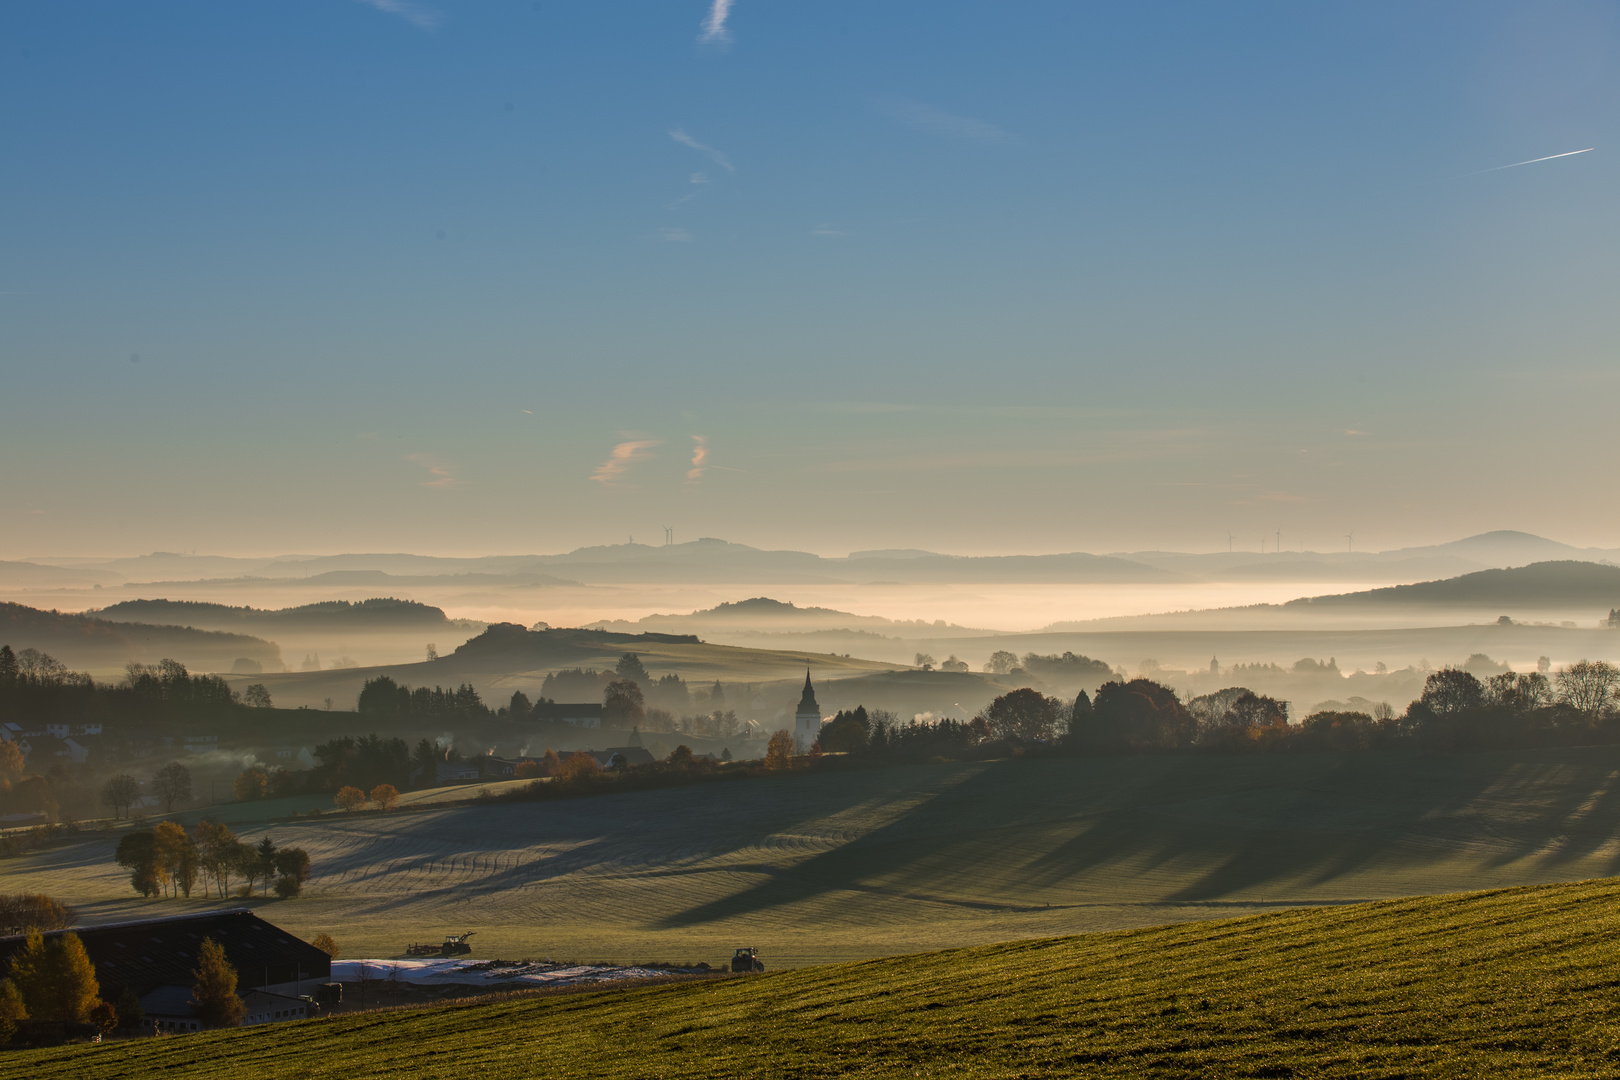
[[370, 615], [1562, 584], [509, 647], [83, 641]]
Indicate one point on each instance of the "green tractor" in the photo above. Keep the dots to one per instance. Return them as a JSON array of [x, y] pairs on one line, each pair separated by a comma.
[[746, 960]]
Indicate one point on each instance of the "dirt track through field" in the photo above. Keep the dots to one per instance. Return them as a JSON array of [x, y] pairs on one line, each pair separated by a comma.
[[815, 868]]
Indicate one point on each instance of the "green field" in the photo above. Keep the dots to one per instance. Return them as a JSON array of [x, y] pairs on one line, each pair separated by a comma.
[[1517, 983], [845, 866]]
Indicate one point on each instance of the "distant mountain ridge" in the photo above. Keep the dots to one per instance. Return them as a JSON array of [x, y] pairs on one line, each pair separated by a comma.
[[711, 560]]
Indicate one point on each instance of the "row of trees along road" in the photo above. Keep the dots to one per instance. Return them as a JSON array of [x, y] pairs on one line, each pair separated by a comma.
[[166, 861], [1457, 711]]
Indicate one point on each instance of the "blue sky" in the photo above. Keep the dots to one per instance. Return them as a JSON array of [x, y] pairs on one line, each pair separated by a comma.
[[320, 275]]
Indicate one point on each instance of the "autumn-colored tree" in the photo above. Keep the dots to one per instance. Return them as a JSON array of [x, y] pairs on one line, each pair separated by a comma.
[[251, 784], [579, 766], [551, 763], [175, 856], [215, 991], [12, 1010], [528, 770], [680, 757], [385, 796], [104, 1016], [11, 762], [55, 978], [779, 751], [349, 798], [11, 1003], [217, 853], [21, 912], [326, 943]]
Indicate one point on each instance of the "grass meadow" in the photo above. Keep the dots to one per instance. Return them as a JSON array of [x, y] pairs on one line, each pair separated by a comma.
[[1517, 983], [815, 869]]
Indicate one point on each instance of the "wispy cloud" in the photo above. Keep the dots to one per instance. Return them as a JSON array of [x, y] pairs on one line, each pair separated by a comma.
[[825, 229], [719, 158], [675, 234], [415, 14], [440, 475], [623, 456], [937, 122], [700, 457], [714, 24], [698, 180]]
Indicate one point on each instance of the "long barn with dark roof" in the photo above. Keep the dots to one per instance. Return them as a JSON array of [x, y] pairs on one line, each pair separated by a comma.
[[155, 959]]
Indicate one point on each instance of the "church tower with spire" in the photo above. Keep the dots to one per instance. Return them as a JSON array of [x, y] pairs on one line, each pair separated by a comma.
[[807, 721]]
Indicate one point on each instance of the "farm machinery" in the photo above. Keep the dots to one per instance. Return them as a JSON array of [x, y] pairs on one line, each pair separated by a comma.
[[454, 945], [746, 960]]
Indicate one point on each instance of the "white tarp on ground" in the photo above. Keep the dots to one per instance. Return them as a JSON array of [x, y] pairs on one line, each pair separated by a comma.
[[474, 972]]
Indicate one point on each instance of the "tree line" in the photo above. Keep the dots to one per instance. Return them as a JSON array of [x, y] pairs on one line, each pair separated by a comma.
[[36, 688], [166, 861]]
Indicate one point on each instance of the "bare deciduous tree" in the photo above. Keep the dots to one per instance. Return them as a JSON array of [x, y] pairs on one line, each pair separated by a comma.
[[1589, 685]]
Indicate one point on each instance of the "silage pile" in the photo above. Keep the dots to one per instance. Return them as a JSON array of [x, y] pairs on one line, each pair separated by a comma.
[[511, 973]]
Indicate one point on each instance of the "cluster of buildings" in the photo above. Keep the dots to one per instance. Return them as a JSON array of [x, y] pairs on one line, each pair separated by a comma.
[[53, 743]]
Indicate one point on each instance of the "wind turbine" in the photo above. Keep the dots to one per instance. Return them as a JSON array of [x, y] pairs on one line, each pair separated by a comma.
[[1229, 542], [1350, 540]]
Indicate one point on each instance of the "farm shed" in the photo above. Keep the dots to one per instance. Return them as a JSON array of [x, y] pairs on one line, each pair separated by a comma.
[[155, 958]]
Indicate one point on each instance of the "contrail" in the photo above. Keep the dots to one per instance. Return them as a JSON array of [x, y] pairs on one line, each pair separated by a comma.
[[1532, 161]]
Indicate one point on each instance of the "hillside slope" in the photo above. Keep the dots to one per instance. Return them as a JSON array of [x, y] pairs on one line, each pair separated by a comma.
[[1504, 984], [820, 867], [1539, 586], [81, 641], [374, 615]]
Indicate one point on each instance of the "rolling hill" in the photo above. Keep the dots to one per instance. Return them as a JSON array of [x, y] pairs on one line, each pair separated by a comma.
[[761, 614], [1544, 586], [82, 641], [1507, 984], [824, 867], [383, 614]]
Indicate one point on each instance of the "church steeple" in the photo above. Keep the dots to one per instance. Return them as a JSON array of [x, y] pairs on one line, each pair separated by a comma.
[[807, 700], [807, 720]]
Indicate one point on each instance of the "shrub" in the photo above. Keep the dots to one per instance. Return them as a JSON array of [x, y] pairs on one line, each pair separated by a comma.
[[251, 784], [326, 943], [104, 1016], [779, 751], [579, 766]]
